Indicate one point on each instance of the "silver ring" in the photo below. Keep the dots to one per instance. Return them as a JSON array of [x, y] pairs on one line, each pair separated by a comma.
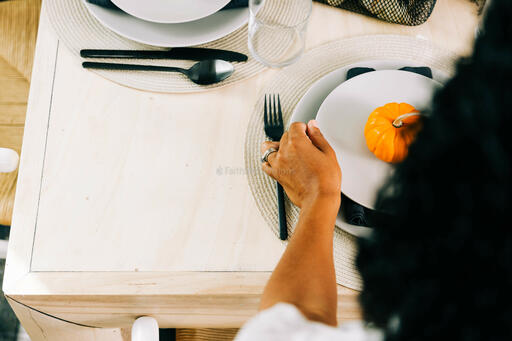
[[269, 151]]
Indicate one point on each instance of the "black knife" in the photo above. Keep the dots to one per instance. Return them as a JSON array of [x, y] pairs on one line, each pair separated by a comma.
[[182, 53]]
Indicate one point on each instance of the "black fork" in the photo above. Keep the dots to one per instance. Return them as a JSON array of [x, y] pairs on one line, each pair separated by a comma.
[[274, 129]]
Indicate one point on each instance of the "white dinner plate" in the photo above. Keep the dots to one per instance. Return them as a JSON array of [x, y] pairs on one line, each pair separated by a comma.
[[342, 118], [170, 11], [310, 103], [190, 33]]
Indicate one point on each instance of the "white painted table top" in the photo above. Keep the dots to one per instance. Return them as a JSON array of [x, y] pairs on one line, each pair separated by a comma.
[[116, 179]]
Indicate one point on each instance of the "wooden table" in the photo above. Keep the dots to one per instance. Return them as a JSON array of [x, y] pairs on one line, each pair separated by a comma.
[[120, 212]]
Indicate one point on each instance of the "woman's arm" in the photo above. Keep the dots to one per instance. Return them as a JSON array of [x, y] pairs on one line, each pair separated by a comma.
[[307, 168], [305, 275]]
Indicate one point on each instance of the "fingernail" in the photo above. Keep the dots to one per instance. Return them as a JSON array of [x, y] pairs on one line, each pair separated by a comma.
[[314, 123]]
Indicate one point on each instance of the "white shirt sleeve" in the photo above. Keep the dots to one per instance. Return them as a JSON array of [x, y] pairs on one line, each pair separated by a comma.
[[285, 322]]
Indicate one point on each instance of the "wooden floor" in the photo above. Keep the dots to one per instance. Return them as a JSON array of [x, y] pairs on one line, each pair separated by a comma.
[[18, 31]]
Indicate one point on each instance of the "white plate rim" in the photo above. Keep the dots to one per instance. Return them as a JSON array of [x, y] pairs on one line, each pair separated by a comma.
[[242, 13], [426, 87], [161, 20], [334, 79]]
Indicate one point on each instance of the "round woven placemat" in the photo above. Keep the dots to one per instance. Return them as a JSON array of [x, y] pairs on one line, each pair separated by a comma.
[[291, 84], [78, 29]]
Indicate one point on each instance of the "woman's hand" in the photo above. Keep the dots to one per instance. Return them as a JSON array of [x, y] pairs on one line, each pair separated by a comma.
[[305, 165], [307, 168]]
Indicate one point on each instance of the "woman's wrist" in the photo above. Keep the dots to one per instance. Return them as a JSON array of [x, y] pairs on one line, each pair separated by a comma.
[[326, 201], [320, 214]]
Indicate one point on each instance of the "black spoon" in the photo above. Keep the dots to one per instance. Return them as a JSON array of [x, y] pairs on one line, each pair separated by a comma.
[[205, 72]]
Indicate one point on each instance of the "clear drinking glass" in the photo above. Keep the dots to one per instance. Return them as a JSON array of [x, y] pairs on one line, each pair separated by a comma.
[[277, 30]]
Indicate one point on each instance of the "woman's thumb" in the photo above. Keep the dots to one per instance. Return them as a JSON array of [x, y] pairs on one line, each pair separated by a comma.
[[315, 135]]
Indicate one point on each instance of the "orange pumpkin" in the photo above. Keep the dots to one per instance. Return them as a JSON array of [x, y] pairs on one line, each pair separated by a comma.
[[391, 129]]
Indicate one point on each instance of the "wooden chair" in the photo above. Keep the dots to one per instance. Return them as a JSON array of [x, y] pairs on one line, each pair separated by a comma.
[[206, 334]]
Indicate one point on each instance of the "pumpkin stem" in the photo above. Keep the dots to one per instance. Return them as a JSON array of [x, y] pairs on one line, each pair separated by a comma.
[[398, 122]]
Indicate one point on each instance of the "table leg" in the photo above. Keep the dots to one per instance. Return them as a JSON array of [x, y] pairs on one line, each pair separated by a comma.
[[44, 327]]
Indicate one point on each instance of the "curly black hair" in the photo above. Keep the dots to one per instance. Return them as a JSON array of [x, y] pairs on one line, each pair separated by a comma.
[[442, 268]]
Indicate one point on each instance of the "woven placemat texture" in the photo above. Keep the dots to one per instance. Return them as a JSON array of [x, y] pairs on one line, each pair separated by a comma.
[[78, 29], [292, 83]]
